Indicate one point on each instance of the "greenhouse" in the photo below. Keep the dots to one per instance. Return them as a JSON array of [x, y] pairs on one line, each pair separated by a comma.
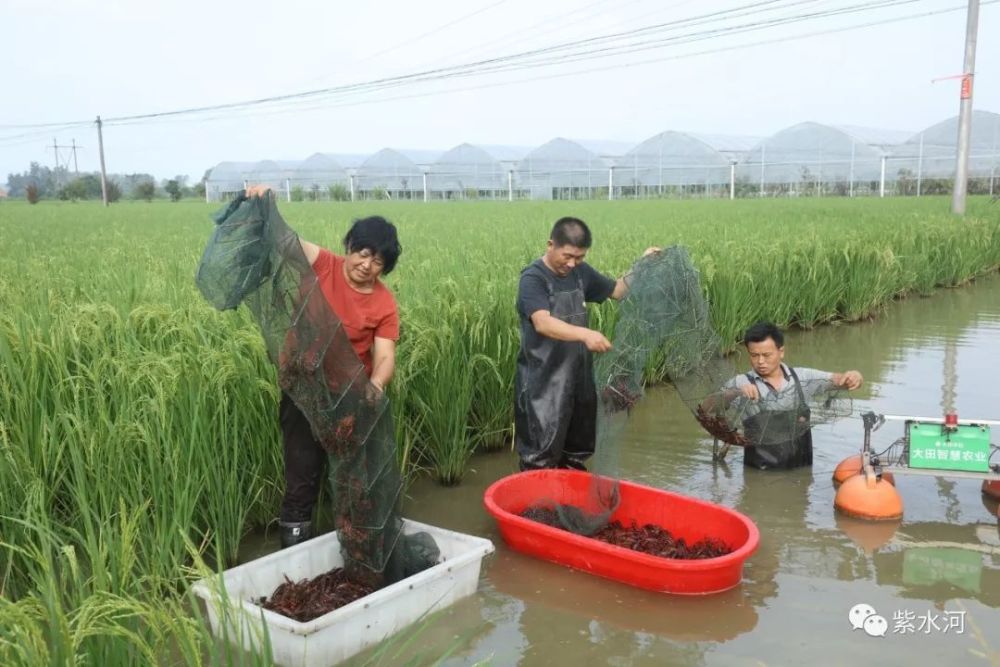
[[467, 172], [226, 179], [317, 174], [817, 159], [273, 173], [388, 174], [804, 159], [925, 164], [673, 162], [561, 169]]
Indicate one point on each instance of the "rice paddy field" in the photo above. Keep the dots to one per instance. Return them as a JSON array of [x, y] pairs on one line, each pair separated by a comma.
[[138, 428]]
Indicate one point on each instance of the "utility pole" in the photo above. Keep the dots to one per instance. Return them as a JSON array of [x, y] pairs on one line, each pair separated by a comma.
[[965, 111], [71, 147], [100, 151], [55, 152]]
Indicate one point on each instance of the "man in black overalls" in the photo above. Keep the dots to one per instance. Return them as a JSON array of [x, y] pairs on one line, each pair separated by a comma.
[[555, 400], [776, 422]]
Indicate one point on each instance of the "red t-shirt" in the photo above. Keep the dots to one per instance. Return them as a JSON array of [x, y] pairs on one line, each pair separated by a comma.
[[364, 316]]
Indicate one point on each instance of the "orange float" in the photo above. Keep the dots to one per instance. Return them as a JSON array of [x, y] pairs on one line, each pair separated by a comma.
[[850, 467], [865, 497], [992, 489]]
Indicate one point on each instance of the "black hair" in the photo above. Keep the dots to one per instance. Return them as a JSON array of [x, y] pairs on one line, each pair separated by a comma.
[[570, 231], [761, 331], [377, 235]]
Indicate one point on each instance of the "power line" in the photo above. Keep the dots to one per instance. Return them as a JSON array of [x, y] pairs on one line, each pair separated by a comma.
[[49, 126], [443, 72], [521, 61], [623, 49], [522, 35], [432, 31], [349, 103], [737, 11], [544, 57], [613, 50]]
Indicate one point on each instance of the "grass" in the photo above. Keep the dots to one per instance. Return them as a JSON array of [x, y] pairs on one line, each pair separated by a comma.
[[138, 426]]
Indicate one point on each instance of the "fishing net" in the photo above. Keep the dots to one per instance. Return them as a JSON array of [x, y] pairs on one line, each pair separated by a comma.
[[664, 323], [769, 422], [663, 320], [254, 258]]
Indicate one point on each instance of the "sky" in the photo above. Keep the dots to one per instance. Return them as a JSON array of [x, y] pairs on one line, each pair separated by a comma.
[[702, 70]]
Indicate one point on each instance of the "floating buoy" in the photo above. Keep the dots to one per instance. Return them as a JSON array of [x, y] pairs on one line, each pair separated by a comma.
[[864, 498], [992, 489], [850, 467], [846, 469], [869, 535], [992, 505]]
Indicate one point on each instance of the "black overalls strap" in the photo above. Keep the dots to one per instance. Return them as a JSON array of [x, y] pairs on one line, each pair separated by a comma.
[[555, 408], [781, 438]]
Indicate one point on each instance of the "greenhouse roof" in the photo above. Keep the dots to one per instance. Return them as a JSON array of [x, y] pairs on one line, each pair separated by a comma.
[[985, 132], [507, 153], [419, 156], [225, 171], [318, 169], [727, 143], [466, 154], [561, 150], [389, 169], [605, 148], [672, 158], [466, 167], [814, 139], [319, 162], [273, 169], [881, 138], [349, 160], [388, 157], [674, 146]]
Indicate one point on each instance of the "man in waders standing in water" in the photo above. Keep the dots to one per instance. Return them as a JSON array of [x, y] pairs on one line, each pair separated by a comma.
[[555, 399], [776, 419]]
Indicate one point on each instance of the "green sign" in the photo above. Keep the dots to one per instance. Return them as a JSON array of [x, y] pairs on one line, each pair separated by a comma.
[[929, 566], [966, 447]]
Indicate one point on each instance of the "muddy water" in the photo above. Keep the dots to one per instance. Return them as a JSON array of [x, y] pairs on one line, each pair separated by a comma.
[[939, 566]]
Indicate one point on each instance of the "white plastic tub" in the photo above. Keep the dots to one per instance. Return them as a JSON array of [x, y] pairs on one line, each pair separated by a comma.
[[343, 632]]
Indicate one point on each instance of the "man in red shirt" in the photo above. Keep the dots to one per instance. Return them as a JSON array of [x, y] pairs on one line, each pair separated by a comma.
[[368, 311]]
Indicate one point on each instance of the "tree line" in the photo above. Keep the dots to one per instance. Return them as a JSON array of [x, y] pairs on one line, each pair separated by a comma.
[[42, 182]]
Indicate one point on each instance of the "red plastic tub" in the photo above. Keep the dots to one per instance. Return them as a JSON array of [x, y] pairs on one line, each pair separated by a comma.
[[684, 517]]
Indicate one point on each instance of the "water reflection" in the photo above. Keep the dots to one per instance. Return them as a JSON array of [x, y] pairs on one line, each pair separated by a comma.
[[680, 618]]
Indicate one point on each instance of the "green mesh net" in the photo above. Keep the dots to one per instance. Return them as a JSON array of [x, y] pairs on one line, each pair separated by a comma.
[[664, 323], [254, 258], [768, 423]]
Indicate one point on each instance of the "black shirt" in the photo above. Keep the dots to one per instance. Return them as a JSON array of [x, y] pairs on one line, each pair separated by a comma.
[[533, 295]]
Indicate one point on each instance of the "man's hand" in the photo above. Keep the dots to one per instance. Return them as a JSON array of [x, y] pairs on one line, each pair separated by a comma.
[[257, 191], [851, 380], [595, 341], [750, 391], [651, 250]]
